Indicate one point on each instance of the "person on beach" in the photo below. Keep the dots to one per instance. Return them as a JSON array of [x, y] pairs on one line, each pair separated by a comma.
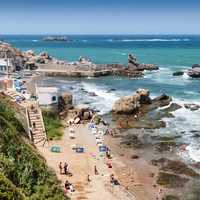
[[67, 184], [108, 155], [65, 168], [95, 170], [60, 167], [113, 180], [88, 178]]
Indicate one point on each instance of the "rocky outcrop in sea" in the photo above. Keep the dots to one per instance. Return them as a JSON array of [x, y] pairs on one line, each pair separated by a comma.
[[141, 111], [195, 71], [56, 39]]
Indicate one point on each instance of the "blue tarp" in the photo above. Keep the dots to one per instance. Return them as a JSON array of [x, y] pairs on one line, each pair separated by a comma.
[[102, 148], [79, 150]]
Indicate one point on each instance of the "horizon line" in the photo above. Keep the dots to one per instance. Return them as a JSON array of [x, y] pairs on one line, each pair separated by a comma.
[[104, 34]]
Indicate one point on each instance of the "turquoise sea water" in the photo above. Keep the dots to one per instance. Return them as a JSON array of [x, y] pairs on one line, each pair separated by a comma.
[[170, 53]]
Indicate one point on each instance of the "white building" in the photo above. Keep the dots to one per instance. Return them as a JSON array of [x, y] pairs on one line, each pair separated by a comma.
[[6, 66], [47, 96]]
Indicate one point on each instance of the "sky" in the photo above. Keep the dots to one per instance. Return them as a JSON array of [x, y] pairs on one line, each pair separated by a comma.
[[99, 16]]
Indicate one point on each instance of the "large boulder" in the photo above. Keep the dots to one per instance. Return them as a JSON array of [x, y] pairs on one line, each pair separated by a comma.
[[65, 101], [195, 65], [131, 104], [140, 101], [127, 105], [144, 96], [194, 72], [178, 73]]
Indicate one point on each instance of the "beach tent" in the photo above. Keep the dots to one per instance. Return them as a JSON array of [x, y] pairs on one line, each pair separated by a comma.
[[79, 150], [55, 149]]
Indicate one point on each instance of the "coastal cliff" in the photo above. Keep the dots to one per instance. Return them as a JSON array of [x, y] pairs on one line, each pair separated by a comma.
[[23, 172]]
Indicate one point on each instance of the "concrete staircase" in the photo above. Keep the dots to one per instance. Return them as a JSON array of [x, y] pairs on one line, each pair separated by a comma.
[[34, 120], [37, 125]]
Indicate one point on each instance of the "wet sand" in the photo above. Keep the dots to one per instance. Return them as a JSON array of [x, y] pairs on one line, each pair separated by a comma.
[[138, 176]]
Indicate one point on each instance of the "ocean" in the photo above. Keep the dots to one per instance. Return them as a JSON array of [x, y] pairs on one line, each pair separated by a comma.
[[170, 52]]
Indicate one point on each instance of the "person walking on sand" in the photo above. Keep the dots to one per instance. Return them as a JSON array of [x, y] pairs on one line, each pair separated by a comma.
[[95, 170], [60, 167], [65, 168]]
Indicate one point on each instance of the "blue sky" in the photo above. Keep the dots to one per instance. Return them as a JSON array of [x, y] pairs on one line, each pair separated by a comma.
[[99, 16]]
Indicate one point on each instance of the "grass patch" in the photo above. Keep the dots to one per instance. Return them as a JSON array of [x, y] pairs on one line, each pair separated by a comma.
[[53, 125]]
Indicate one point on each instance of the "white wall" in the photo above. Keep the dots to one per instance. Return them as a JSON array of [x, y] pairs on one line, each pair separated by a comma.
[[46, 98]]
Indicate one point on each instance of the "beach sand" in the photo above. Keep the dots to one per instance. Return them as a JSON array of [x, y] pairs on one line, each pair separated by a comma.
[[82, 164]]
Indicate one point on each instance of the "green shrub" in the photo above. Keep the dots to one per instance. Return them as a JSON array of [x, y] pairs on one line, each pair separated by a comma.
[[23, 172], [53, 125]]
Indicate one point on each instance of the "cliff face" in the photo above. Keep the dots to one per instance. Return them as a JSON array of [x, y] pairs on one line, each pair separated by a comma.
[[23, 173]]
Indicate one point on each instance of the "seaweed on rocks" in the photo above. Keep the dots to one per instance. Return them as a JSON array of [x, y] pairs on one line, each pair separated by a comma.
[[175, 166], [170, 180], [131, 140]]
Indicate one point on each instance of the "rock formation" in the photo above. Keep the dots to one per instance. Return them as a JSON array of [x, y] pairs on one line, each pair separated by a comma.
[[13, 54], [140, 111], [65, 101], [134, 65], [132, 104], [192, 106], [194, 72], [179, 73], [55, 39]]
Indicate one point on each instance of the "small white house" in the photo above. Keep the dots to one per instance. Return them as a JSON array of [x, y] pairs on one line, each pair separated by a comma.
[[6, 66], [47, 95]]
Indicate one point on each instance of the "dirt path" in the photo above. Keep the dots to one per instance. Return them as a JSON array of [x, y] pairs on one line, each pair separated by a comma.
[[82, 165]]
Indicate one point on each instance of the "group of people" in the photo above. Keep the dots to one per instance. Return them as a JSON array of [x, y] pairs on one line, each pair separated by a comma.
[[64, 169], [69, 187]]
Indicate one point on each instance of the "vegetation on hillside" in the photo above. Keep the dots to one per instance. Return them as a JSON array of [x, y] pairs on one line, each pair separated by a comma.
[[23, 173], [53, 125]]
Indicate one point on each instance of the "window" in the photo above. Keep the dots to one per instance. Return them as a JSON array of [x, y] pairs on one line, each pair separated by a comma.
[[53, 98]]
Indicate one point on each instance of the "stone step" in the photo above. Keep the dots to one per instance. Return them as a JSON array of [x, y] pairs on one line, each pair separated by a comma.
[[35, 115], [38, 130], [41, 131], [38, 125], [38, 141], [35, 120], [39, 136]]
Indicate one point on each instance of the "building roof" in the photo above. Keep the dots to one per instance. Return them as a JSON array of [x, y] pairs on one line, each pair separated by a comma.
[[47, 89]]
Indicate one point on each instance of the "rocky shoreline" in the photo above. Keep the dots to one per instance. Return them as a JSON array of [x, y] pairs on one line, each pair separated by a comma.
[[50, 66]]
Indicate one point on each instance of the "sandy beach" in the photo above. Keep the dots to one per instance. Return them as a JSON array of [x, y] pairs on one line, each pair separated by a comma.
[[134, 176], [82, 164]]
